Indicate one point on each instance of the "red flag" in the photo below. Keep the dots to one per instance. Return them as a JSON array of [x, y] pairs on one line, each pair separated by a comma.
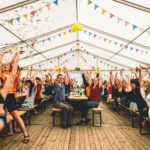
[[48, 6], [32, 13], [32, 44], [111, 15]]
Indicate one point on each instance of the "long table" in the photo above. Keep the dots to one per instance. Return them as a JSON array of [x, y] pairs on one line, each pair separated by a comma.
[[19, 95], [78, 98]]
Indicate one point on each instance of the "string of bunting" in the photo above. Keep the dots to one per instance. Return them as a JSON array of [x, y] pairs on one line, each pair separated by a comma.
[[111, 16], [30, 15], [34, 42], [53, 60], [49, 39], [101, 61], [115, 43]]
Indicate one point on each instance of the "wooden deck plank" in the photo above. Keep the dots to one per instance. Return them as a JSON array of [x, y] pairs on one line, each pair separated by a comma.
[[115, 134]]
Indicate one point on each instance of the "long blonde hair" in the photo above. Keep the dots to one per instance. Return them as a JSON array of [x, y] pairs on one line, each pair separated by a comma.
[[146, 85]]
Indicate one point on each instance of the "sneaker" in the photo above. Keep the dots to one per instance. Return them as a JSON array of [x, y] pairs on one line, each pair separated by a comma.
[[82, 122], [88, 120]]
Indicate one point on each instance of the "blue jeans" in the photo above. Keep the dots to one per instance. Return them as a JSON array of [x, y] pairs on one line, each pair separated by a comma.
[[91, 104], [86, 106]]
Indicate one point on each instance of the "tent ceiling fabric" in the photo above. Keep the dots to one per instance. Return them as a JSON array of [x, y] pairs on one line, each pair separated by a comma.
[[44, 31]]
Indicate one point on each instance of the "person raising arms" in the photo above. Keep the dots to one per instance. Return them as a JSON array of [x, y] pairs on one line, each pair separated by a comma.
[[9, 73]]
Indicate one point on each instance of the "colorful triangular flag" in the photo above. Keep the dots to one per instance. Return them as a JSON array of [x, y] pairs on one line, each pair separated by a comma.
[[115, 43], [126, 23], [121, 45], [90, 33], [109, 41], [55, 2], [134, 27], [111, 15], [32, 13], [119, 20], [131, 48], [103, 11], [25, 16], [18, 19], [126, 46], [85, 31], [95, 6], [32, 44], [49, 39], [11, 21], [40, 10], [89, 2], [95, 35], [105, 39], [65, 33]]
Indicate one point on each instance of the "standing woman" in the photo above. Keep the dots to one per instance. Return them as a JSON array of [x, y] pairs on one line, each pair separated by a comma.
[[9, 72], [3, 94]]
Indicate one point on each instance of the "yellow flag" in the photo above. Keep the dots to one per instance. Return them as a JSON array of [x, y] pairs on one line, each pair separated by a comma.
[[25, 16], [103, 11]]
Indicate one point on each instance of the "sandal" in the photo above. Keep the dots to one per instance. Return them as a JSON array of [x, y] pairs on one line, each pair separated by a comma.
[[26, 139], [10, 133]]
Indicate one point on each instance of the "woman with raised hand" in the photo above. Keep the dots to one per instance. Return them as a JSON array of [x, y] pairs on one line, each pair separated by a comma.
[[30, 92], [94, 98], [145, 92], [3, 93], [9, 72]]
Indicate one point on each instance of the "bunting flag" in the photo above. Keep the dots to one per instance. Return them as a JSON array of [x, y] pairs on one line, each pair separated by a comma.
[[119, 20], [31, 14], [89, 2], [134, 27], [111, 15], [103, 11], [32, 44], [25, 16], [95, 6], [11, 21], [110, 41], [55, 2], [126, 23], [103, 63], [18, 19]]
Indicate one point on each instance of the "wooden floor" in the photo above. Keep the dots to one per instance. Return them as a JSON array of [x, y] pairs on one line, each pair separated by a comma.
[[116, 133]]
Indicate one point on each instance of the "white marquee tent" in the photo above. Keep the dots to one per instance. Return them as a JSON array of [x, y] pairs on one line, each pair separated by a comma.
[[116, 33]]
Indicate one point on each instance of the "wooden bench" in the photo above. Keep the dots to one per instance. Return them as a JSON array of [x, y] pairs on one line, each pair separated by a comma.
[[99, 111], [28, 112], [147, 120], [54, 111], [43, 104], [111, 101], [10, 118], [133, 113]]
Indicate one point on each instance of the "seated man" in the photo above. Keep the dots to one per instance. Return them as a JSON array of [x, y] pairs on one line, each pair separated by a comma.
[[59, 99]]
